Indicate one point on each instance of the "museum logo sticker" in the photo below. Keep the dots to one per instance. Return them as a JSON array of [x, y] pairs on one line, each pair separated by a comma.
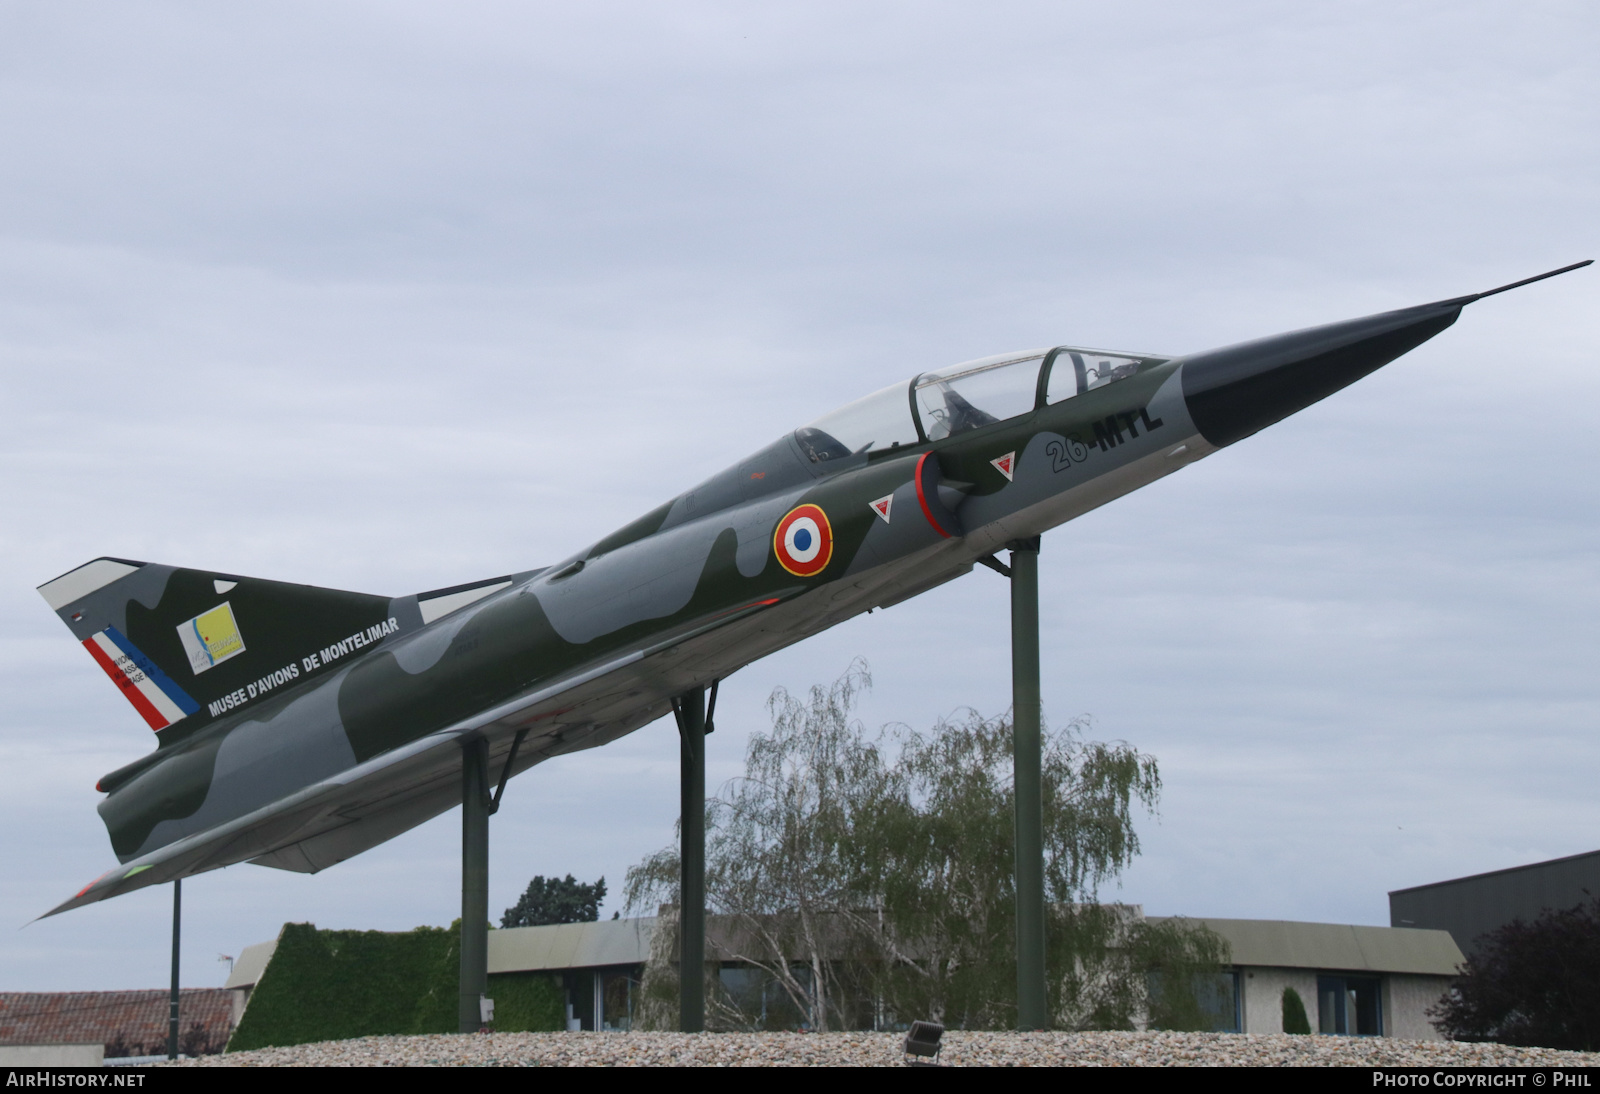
[[210, 638]]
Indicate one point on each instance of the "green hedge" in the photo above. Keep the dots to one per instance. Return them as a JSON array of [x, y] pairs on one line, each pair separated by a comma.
[[333, 985], [527, 1001]]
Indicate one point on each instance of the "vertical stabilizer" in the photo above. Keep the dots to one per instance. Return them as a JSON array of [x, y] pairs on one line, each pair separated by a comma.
[[187, 646]]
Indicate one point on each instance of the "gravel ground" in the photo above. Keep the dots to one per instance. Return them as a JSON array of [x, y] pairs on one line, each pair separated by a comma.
[[883, 1049]]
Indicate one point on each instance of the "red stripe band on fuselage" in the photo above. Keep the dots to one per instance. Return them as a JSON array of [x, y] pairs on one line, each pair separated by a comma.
[[922, 499], [145, 707], [747, 607], [93, 883]]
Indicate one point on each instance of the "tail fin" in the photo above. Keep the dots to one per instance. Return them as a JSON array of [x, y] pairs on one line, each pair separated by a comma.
[[188, 646]]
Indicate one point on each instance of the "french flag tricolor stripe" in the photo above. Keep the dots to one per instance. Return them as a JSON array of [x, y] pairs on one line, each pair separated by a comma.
[[153, 671], [138, 678], [143, 705]]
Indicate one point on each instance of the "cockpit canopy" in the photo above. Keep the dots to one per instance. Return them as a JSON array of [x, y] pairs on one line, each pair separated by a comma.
[[952, 400]]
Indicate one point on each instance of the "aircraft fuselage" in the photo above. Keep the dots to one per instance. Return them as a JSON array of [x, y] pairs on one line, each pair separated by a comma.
[[318, 728]]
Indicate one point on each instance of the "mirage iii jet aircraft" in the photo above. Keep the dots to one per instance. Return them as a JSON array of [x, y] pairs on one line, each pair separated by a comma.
[[299, 726]]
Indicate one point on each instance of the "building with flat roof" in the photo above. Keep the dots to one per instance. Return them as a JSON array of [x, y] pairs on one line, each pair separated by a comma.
[[599, 965], [1357, 981], [1470, 907]]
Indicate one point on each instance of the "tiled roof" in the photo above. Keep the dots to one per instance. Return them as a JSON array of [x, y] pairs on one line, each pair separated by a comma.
[[133, 1023]]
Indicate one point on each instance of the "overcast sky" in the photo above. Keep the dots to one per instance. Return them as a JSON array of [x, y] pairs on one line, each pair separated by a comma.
[[390, 296]]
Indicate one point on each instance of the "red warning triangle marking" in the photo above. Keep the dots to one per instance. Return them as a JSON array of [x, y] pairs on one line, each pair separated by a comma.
[[1005, 464], [882, 506]]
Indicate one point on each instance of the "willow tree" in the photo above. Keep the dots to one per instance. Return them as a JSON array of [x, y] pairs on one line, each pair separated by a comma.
[[863, 878], [941, 864], [783, 869]]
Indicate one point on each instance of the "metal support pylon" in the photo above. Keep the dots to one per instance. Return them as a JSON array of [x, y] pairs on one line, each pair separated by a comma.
[[1027, 774], [690, 708], [475, 808], [476, 1009], [172, 1003]]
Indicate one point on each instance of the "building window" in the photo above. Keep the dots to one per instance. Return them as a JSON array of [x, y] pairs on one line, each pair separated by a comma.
[[1206, 1001], [616, 1001], [1349, 1006], [761, 1002], [1219, 996]]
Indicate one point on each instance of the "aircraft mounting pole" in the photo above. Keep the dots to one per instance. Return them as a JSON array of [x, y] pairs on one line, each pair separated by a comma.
[[691, 710], [474, 883], [172, 1004], [1028, 782]]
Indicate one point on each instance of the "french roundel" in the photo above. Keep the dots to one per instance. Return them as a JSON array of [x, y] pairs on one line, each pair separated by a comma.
[[804, 541]]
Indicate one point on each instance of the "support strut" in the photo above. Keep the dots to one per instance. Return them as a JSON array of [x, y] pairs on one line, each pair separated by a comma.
[[691, 711], [475, 808], [172, 1003], [1032, 1008]]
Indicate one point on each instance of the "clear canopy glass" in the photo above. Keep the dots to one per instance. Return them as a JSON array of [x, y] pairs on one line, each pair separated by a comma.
[[958, 398], [1075, 371], [976, 393], [881, 420]]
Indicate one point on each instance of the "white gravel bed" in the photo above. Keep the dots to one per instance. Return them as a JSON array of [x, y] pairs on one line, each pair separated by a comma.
[[883, 1049]]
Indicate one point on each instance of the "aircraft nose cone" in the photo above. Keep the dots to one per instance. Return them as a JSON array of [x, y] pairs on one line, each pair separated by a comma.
[[1234, 391]]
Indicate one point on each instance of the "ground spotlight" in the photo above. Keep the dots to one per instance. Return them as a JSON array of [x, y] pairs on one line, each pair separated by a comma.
[[922, 1044]]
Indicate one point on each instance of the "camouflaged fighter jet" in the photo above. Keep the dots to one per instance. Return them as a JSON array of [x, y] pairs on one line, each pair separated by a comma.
[[299, 726]]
